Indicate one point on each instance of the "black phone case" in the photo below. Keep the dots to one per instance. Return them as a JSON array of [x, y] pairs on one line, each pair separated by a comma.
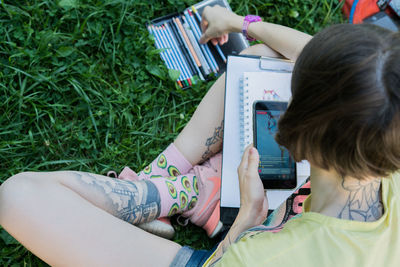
[[291, 184]]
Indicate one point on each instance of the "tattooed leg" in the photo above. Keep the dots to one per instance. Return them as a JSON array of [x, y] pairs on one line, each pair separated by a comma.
[[139, 201], [202, 136], [216, 138], [134, 202], [64, 218]]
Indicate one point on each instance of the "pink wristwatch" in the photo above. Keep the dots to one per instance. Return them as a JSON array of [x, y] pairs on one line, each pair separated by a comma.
[[247, 20]]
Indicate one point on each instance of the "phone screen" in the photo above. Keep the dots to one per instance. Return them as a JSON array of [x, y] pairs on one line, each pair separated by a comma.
[[276, 165]]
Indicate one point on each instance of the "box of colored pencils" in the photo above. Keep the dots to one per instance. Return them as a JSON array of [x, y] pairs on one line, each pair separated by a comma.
[[178, 35]]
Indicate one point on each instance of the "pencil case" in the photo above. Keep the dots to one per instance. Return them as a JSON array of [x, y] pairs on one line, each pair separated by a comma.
[[178, 36]]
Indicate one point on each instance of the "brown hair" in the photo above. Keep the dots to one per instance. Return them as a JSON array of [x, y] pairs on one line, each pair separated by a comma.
[[345, 108]]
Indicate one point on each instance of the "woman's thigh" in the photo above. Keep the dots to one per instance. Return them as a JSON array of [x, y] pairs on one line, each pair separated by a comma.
[[65, 219]]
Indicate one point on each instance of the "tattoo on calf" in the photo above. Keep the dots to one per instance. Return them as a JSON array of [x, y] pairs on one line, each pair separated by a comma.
[[134, 202], [217, 136], [364, 201]]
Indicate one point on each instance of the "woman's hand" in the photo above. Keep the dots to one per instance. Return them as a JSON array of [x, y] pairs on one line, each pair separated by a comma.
[[216, 23], [253, 202]]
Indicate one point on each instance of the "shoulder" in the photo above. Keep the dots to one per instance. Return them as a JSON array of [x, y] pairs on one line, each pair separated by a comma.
[[259, 245], [393, 181]]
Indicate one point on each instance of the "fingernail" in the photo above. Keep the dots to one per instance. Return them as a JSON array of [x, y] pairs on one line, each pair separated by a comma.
[[252, 150]]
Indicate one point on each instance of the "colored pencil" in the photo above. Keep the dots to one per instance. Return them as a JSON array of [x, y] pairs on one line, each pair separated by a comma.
[[189, 22], [206, 68], [179, 62], [192, 63], [197, 35], [189, 39], [179, 27], [163, 53], [216, 46], [173, 42], [179, 43], [166, 51], [181, 47], [178, 24], [207, 49], [197, 30], [169, 54]]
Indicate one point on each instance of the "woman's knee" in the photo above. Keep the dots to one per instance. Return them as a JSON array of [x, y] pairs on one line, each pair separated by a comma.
[[14, 192], [260, 50], [14, 183]]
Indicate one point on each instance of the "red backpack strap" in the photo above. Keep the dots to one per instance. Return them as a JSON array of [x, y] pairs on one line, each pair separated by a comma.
[[347, 7]]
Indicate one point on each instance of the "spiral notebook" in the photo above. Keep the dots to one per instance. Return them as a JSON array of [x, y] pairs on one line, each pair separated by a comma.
[[250, 78]]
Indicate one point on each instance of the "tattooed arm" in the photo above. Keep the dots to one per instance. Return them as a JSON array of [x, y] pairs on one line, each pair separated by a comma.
[[135, 203]]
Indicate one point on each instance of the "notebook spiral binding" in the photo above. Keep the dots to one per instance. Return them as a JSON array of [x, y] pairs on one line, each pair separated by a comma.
[[245, 108]]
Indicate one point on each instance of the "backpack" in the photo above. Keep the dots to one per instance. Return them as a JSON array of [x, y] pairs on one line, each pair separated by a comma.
[[358, 10]]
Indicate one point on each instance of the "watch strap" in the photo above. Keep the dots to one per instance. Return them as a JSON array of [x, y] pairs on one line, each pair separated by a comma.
[[246, 23]]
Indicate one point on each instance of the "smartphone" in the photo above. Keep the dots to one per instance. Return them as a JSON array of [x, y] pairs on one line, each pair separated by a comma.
[[277, 169]]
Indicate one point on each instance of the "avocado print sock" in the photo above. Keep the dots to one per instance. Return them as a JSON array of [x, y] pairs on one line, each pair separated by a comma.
[[177, 193], [170, 162]]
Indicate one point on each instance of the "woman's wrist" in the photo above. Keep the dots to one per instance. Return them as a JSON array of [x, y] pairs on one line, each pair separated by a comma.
[[235, 23], [248, 219]]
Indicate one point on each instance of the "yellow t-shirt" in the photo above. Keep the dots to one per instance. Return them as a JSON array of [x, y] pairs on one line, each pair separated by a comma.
[[313, 239]]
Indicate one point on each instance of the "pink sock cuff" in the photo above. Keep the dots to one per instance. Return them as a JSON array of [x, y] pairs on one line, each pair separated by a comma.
[[128, 174], [180, 162]]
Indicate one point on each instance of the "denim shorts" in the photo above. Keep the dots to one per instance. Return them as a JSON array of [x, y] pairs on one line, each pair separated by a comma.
[[190, 257]]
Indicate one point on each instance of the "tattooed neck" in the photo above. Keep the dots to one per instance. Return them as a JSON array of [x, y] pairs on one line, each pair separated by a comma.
[[364, 201]]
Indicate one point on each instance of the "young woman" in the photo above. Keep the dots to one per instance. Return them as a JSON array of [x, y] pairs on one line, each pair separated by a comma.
[[343, 118]]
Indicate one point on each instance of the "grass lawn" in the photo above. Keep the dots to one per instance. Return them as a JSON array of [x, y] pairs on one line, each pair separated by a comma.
[[82, 87]]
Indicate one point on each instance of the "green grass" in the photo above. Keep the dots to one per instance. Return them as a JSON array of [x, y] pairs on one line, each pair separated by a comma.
[[82, 87]]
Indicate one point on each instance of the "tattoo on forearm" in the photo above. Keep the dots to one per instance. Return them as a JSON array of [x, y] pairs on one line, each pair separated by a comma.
[[217, 136], [364, 200], [134, 202]]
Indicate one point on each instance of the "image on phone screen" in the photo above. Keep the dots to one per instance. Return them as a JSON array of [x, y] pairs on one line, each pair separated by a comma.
[[276, 168]]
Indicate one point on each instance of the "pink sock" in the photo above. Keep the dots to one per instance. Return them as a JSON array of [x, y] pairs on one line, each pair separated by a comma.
[[170, 162], [177, 193]]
